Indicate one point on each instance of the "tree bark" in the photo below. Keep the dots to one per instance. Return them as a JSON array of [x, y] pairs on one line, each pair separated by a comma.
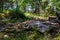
[[37, 6]]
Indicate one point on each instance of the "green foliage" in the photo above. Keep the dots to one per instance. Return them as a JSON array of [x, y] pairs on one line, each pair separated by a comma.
[[56, 3], [16, 14], [1, 10], [0, 15]]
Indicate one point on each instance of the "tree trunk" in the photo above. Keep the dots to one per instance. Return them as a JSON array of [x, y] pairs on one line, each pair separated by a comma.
[[37, 6], [24, 8]]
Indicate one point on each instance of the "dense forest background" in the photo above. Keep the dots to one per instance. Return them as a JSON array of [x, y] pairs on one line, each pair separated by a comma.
[[16, 8]]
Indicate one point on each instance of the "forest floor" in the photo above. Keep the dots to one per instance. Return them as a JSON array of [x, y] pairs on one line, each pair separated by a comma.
[[23, 31], [28, 34]]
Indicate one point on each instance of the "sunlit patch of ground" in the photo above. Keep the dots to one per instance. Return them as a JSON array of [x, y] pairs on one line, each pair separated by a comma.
[[57, 37], [40, 16]]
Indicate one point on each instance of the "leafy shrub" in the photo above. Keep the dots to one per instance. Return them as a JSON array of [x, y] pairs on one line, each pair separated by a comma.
[[1, 10], [16, 14]]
